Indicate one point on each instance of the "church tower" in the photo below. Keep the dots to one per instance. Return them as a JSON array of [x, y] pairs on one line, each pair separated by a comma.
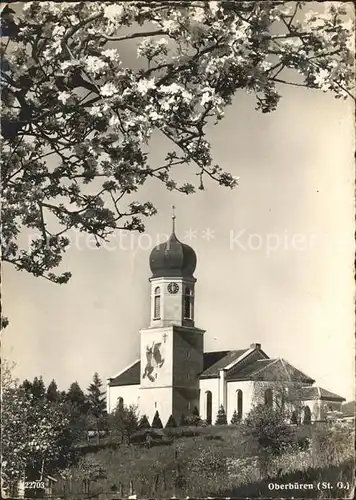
[[171, 347]]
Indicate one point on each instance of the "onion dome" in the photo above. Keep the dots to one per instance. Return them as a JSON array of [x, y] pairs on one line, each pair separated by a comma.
[[173, 258]]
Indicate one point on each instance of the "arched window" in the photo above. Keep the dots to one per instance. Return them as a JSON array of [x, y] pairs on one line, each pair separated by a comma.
[[268, 397], [120, 403], [209, 406], [307, 415], [239, 403], [157, 303], [188, 303]]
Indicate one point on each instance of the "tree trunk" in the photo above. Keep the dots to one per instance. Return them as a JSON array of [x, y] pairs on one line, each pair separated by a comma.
[[42, 469]]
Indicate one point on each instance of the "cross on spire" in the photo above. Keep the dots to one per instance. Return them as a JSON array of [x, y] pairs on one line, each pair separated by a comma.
[[173, 218]]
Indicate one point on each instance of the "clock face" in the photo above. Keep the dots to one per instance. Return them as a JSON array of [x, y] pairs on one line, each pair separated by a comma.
[[173, 287]]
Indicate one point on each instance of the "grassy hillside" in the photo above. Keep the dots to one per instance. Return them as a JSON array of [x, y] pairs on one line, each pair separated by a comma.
[[201, 462]]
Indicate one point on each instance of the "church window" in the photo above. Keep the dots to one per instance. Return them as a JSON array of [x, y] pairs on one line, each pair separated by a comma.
[[189, 405], [188, 354], [155, 404], [120, 403], [188, 376], [157, 303], [239, 403], [307, 415], [209, 406], [188, 303], [268, 397]]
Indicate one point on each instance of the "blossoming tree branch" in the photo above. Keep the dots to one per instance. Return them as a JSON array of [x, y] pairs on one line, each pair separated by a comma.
[[77, 121]]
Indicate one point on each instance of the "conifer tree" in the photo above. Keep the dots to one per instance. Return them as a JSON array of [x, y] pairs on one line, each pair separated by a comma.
[[26, 386], [52, 394], [221, 416], [144, 423], [171, 422], [235, 418], [75, 396], [38, 388], [96, 397], [156, 422]]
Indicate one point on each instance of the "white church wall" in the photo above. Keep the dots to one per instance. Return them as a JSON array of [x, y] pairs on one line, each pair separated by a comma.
[[129, 393], [247, 389], [320, 408], [212, 385], [158, 400]]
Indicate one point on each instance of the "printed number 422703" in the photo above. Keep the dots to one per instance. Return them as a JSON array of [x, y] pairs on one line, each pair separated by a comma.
[[34, 484]]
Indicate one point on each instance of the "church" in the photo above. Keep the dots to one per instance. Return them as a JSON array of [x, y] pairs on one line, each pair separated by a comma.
[[174, 375]]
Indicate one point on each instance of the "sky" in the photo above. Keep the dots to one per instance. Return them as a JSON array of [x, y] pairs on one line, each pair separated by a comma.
[[275, 256]]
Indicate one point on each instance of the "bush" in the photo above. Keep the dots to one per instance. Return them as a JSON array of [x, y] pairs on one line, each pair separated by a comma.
[[171, 422], [185, 431], [268, 427], [221, 417], [156, 422], [334, 441]]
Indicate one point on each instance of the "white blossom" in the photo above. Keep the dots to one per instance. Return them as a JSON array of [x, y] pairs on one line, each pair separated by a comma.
[[322, 79], [68, 64], [96, 111], [108, 89], [64, 97], [114, 121], [214, 7], [113, 11], [170, 25], [95, 65], [198, 15], [144, 85], [58, 31], [111, 54]]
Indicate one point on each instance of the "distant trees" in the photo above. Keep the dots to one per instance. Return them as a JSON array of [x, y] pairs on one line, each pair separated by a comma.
[[40, 426], [35, 438], [36, 388]]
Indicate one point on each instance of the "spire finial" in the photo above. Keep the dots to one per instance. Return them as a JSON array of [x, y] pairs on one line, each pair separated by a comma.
[[173, 218]]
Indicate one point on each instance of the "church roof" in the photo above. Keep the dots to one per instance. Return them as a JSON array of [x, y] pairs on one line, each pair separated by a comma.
[[130, 376], [173, 258], [269, 370], [257, 370], [305, 393], [219, 360]]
